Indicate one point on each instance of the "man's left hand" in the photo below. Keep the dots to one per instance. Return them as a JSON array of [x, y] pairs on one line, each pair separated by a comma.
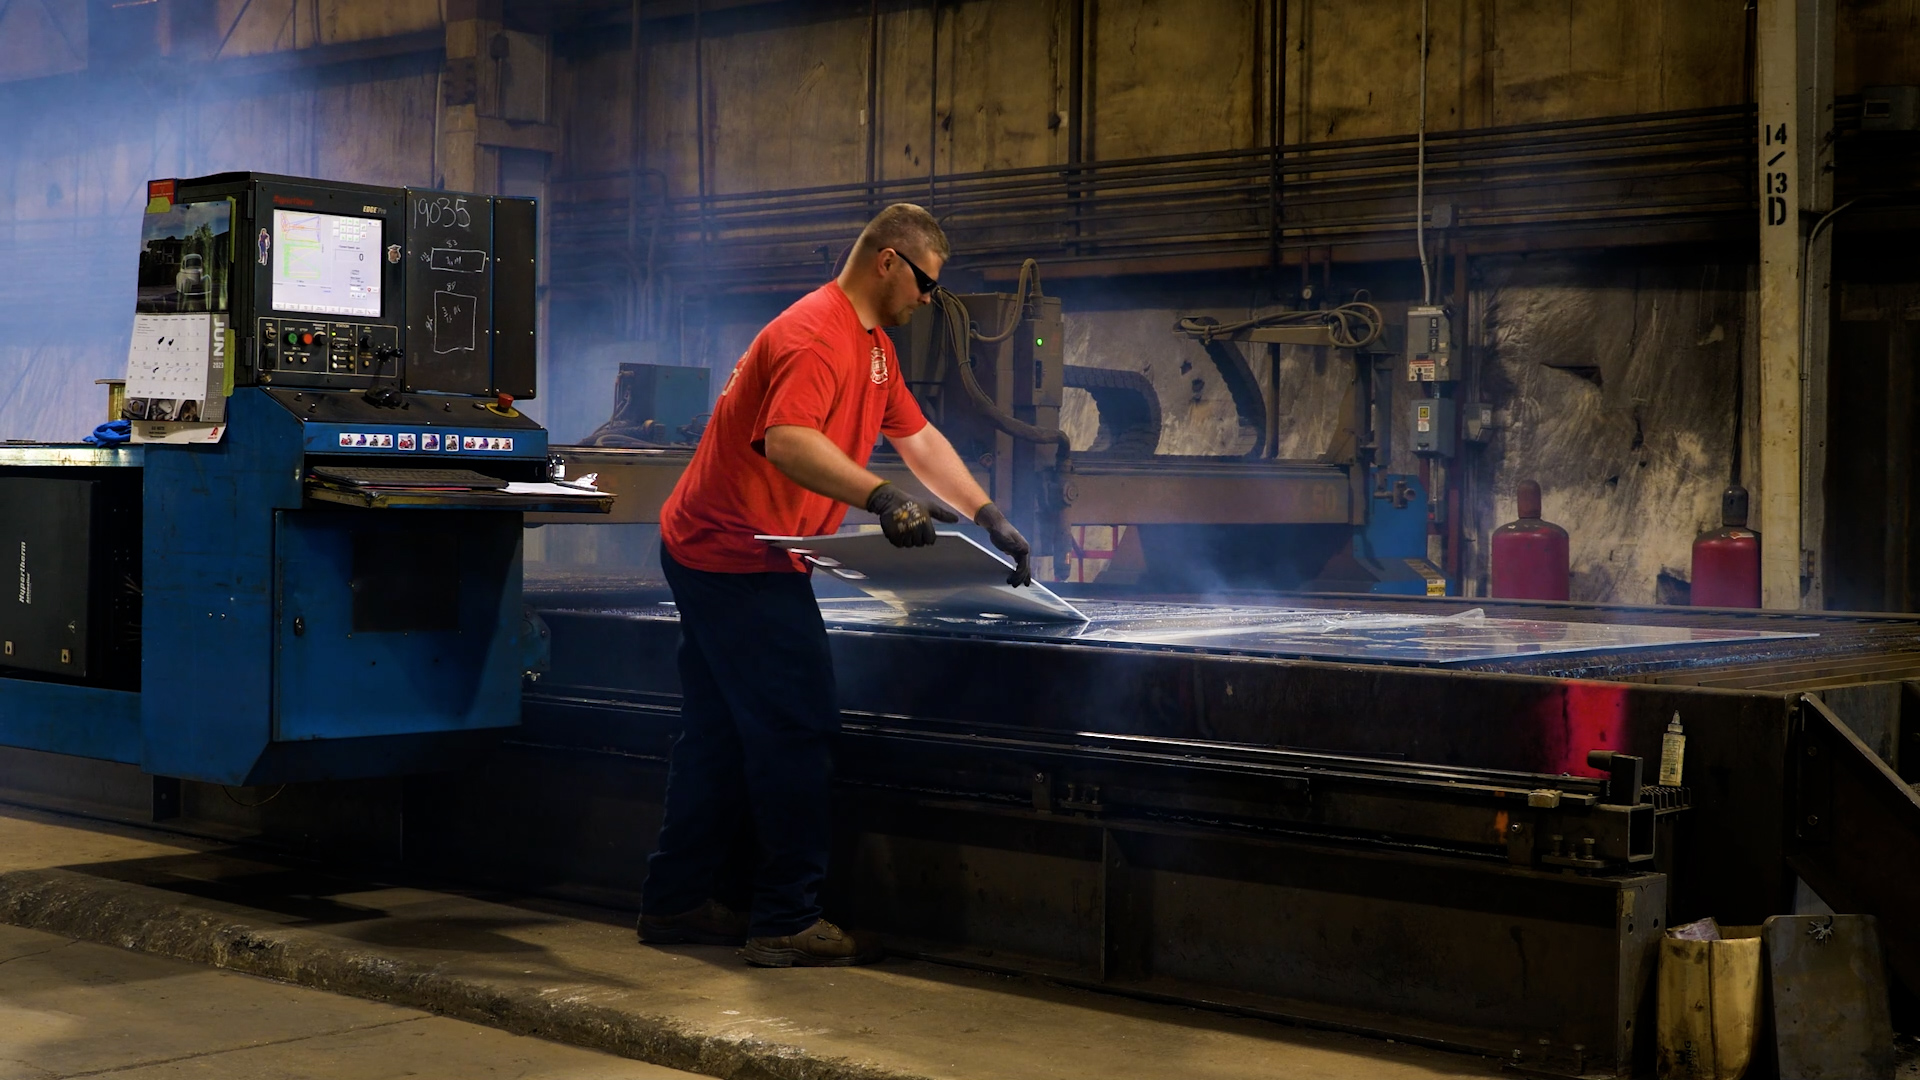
[[1007, 539]]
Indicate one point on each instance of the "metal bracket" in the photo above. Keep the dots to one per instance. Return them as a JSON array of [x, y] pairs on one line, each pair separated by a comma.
[[1812, 758], [1042, 793], [1083, 799]]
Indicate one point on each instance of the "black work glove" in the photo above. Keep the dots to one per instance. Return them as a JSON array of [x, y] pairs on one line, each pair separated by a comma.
[[1007, 539], [907, 521]]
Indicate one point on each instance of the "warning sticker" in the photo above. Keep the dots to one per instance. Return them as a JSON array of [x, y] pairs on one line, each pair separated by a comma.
[[482, 442]]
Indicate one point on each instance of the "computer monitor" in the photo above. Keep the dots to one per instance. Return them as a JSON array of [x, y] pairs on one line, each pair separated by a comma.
[[326, 264]]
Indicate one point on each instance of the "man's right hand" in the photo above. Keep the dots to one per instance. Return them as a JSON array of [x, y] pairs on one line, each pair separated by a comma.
[[906, 521]]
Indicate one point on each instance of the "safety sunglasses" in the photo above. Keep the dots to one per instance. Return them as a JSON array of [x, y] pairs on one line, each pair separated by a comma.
[[920, 278]]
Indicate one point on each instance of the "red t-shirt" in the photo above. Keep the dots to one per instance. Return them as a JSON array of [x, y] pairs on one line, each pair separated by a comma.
[[815, 366]]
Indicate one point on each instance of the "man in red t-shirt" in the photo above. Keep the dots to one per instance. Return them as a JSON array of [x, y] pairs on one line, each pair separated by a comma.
[[785, 454]]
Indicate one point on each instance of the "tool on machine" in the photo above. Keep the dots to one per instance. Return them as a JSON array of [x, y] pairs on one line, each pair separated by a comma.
[[1353, 325], [1247, 514], [961, 333]]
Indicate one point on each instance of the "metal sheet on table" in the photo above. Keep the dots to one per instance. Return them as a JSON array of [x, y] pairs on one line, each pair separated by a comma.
[[42, 455], [1317, 633], [952, 578]]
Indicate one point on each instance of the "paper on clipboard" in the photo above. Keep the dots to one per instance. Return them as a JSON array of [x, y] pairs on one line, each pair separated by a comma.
[[955, 576]]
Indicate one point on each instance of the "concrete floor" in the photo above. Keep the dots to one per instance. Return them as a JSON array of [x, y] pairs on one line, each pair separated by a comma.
[[577, 974], [72, 1008]]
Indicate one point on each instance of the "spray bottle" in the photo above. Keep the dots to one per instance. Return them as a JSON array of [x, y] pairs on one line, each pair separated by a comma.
[[1673, 753]]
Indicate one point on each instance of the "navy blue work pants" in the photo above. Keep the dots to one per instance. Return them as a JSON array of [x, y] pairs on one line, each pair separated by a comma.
[[759, 716]]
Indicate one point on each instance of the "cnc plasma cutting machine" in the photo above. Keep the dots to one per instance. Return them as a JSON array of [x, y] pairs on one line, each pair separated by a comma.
[[306, 564]]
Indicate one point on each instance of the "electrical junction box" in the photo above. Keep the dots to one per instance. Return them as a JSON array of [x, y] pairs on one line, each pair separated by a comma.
[[1477, 420], [1890, 108], [1432, 427], [1429, 345]]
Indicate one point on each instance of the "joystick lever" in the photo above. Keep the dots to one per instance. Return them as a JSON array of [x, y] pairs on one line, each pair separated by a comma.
[[388, 396]]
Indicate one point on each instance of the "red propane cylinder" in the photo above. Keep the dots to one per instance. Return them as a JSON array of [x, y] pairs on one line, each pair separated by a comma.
[[1529, 555], [1726, 561]]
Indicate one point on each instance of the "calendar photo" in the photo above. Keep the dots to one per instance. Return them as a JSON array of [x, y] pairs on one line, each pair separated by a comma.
[[186, 258]]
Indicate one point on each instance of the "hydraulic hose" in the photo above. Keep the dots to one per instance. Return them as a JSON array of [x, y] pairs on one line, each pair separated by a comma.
[[1353, 325]]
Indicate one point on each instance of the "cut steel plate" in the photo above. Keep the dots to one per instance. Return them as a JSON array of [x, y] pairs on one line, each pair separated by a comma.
[[954, 577], [1318, 633]]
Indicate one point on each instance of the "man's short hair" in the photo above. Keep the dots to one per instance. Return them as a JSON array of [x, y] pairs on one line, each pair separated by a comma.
[[903, 227]]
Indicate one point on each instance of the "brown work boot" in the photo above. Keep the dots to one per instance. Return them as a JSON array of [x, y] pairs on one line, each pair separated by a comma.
[[820, 945], [712, 923]]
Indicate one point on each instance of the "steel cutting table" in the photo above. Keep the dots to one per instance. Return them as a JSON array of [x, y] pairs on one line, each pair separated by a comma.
[[1434, 820]]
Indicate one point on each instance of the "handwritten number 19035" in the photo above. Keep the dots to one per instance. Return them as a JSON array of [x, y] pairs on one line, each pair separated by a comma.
[[442, 211]]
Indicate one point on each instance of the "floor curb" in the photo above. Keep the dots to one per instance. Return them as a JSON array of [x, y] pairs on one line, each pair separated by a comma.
[[149, 920]]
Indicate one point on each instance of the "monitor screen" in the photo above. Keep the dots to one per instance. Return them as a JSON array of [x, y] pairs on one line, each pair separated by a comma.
[[326, 263]]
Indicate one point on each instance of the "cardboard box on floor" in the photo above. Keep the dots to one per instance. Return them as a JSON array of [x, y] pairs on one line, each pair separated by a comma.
[[1816, 984], [1708, 1006]]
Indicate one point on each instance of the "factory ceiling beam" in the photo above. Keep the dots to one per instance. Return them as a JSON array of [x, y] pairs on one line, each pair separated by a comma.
[[1652, 178], [554, 16]]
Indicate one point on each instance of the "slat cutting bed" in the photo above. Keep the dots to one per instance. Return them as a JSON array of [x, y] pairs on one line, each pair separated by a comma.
[[1434, 820]]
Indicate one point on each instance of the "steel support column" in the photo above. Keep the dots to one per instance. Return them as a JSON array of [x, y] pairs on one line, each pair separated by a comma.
[[1777, 54], [1815, 155], [462, 162]]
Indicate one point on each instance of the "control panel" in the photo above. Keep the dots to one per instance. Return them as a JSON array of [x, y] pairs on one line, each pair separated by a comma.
[[352, 286], [326, 347], [1430, 345]]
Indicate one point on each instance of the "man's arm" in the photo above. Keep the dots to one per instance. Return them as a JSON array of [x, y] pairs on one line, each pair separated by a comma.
[[934, 463], [810, 459]]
